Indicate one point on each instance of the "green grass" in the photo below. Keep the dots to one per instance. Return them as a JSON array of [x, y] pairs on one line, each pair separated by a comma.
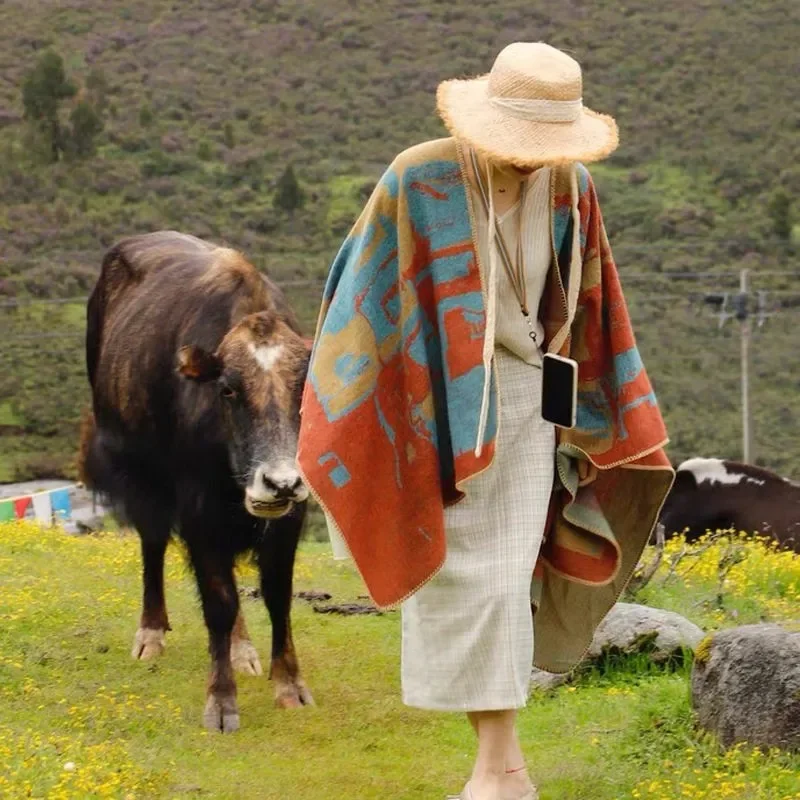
[[70, 694]]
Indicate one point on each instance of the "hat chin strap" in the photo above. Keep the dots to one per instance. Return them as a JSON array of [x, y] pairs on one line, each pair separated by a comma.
[[537, 110]]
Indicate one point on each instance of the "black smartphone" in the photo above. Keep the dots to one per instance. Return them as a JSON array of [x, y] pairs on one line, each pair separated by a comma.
[[559, 390]]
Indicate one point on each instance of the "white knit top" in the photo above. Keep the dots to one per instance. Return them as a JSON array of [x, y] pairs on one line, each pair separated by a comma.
[[533, 223]]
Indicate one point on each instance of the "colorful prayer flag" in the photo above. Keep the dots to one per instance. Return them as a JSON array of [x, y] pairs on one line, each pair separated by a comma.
[[42, 509], [62, 506], [21, 505], [7, 513]]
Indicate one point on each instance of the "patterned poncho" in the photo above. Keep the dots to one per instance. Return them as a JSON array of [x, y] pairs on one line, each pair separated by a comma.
[[391, 410]]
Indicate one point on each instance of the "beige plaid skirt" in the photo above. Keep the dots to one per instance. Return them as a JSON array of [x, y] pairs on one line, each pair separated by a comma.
[[468, 633]]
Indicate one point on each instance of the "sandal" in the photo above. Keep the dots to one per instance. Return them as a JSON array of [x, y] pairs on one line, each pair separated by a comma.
[[466, 794]]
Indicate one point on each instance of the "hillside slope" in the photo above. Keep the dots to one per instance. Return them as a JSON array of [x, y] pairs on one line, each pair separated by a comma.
[[208, 103]]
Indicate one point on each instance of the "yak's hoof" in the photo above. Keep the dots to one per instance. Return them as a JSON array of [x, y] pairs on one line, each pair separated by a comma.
[[244, 657], [221, 714], [293, 695], [148, 643]]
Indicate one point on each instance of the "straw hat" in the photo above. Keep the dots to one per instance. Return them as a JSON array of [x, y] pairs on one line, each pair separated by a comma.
[[528, 110]]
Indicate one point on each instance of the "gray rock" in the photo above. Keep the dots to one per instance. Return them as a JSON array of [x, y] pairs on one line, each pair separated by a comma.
[[746, 685], [90, 525], [542, 681], [627, 629], [632, 628]]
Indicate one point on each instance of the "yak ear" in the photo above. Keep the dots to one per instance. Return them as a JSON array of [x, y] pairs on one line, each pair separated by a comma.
[[199, 365]]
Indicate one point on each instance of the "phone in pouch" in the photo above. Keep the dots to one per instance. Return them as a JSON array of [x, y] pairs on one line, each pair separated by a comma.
[[559, 390]]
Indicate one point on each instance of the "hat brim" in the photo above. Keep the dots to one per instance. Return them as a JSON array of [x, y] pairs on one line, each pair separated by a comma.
[[467, 113]]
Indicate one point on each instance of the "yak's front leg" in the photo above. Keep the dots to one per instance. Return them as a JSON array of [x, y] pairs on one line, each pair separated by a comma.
[[220, 600], [276, 557], [150, 638], [244, 655]]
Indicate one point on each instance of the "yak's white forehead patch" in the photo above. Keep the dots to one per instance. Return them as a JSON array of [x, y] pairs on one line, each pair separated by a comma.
[[714, 470], [267, 355]]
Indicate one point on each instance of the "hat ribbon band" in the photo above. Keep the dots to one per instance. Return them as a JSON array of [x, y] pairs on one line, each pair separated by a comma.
[[539, 110]]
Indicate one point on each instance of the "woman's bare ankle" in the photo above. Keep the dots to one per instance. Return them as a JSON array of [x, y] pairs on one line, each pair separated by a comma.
[[515, 785]]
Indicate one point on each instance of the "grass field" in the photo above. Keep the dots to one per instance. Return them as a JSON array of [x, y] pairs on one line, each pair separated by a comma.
[[80, 719]]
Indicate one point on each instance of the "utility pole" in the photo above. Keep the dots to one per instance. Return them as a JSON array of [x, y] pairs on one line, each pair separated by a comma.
[[744, 319], [738, 306]]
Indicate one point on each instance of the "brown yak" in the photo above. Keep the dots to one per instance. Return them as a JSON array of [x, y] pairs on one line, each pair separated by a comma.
[[197, 366]]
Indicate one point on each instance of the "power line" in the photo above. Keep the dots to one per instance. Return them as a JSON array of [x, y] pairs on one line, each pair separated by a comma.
[[706, 275], [675, 275], [71, 333], [42, 301], [306, 283], [35, 337], [683, 360]]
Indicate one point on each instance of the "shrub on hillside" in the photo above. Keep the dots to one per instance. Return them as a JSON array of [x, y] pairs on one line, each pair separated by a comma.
[[289, 196], [40, 467], [45, 86], [85, 125], [146, 116], [159, 165]]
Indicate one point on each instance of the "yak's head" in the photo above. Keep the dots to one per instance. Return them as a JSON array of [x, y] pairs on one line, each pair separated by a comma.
[[258, 370]]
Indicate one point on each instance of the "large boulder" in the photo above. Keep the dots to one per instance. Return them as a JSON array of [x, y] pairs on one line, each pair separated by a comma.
[[628, 629], [746, 685]]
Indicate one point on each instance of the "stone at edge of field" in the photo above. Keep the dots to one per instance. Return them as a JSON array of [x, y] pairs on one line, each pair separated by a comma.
[[631, 628], [746, 685], [542, 681]]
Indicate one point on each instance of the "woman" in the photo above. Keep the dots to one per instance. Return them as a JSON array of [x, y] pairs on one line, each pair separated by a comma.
[[505, 540]]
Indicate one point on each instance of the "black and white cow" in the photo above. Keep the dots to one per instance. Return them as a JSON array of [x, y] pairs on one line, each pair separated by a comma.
[[715, 494]]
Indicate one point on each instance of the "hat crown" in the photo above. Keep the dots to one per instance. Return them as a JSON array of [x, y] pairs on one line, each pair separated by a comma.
[[535, 71]]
